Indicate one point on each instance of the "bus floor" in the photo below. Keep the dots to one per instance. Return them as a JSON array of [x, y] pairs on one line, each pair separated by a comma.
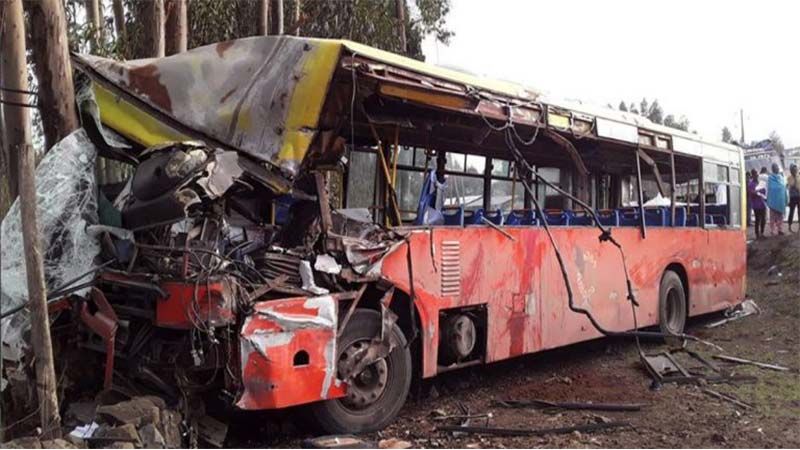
[[608, 370]]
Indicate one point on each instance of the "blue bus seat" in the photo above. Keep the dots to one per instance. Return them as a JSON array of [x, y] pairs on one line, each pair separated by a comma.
[[454, 216], [608, 217], [655, 216], [556, 217], [521, 217], [473, 217], [496, 217], [628, 216], [580, 218], [680, 217]]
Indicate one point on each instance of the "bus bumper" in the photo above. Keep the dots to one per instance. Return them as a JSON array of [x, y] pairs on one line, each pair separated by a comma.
[[288, 353]]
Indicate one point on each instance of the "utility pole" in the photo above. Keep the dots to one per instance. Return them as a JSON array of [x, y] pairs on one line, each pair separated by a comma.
[[741, 119]]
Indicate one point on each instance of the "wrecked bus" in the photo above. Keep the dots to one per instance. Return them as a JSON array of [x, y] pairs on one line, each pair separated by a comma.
[[318, 222]]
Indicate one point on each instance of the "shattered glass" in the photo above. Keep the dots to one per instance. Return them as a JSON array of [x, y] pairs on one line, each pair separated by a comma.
[[66, 203]]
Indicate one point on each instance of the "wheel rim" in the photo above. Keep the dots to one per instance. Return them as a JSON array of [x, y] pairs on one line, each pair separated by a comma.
[[366, 387], [674, 310]]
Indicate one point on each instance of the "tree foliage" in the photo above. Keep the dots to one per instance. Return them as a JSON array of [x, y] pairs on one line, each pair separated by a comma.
[[727, 137], [655, 113]]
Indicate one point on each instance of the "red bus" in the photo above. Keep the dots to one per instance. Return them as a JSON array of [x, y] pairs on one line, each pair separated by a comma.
[[354, 219]]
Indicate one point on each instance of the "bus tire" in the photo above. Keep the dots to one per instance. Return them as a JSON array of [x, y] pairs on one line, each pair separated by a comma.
[[368, 406], [671, 304]]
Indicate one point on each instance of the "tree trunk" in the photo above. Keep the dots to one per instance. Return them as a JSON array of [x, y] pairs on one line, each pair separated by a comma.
[[95, 20], [278, 28], [13, 72], [46, 386], [176, 36], [263, 17], [119, 19], [400, 10], [53, 69], [297, 6], [153, 20]]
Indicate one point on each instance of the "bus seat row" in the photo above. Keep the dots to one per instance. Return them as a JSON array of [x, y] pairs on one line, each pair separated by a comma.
[[660, 216]]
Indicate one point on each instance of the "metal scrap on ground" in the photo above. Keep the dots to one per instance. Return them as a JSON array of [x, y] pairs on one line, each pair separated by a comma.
[[587, 428], [543, 404], [734, 359]]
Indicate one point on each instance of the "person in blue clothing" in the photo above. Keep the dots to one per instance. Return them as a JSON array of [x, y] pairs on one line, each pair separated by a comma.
[[776, 199]]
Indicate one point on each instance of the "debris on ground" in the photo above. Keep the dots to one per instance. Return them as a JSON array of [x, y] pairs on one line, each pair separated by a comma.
[[744, 309], [589, 406], [338, 441], [394, 443], [762, 365], [587, 428], [727, 398]]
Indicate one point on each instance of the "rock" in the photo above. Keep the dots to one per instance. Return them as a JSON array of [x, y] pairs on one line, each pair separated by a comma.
[[23, 442], [171, 428], [79, 413], [474, 445], [137, 411], [151, 437], [155, 400], [124, 445], [394, 443], [123, 433], [57, 443]]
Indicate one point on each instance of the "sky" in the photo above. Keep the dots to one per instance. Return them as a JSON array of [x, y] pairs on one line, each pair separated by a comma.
[[703, 59]]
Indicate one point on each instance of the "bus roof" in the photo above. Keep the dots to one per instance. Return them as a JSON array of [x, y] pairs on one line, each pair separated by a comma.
[[225, 93]]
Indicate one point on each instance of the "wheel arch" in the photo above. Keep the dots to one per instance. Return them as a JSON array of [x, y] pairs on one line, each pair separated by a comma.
[[680, 270], [410, 324]]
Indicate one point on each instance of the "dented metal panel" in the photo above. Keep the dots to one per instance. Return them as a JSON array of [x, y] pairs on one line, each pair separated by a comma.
[[259, 95], [497, 270], [271, 338]]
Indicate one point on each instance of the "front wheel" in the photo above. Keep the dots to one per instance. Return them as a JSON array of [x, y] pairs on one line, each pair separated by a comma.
[[672, 304], [374, 396]]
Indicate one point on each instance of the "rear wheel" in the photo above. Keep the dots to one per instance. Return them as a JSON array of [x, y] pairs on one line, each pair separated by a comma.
[[672, 304], [374, 396]]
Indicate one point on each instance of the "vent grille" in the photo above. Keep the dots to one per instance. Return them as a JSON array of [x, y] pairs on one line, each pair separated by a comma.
[[451, 268]]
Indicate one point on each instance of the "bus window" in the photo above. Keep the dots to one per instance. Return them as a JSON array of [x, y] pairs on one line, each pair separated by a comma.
[[630, 191], [735, 198], [408, 187], [548, 197], [716, 183], [464, 181], [507, 192], [361, 179]]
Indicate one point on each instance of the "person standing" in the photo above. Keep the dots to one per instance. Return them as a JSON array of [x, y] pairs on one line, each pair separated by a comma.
[[755, 196], [793, 185], [776, 199]]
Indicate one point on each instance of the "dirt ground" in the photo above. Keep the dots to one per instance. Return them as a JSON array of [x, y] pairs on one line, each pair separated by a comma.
[[608, 370]]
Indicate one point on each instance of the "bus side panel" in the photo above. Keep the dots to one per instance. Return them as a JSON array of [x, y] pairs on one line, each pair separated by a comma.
[[597, 279], [519, 281], [493, 270], [714, 262], [717, 275]]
